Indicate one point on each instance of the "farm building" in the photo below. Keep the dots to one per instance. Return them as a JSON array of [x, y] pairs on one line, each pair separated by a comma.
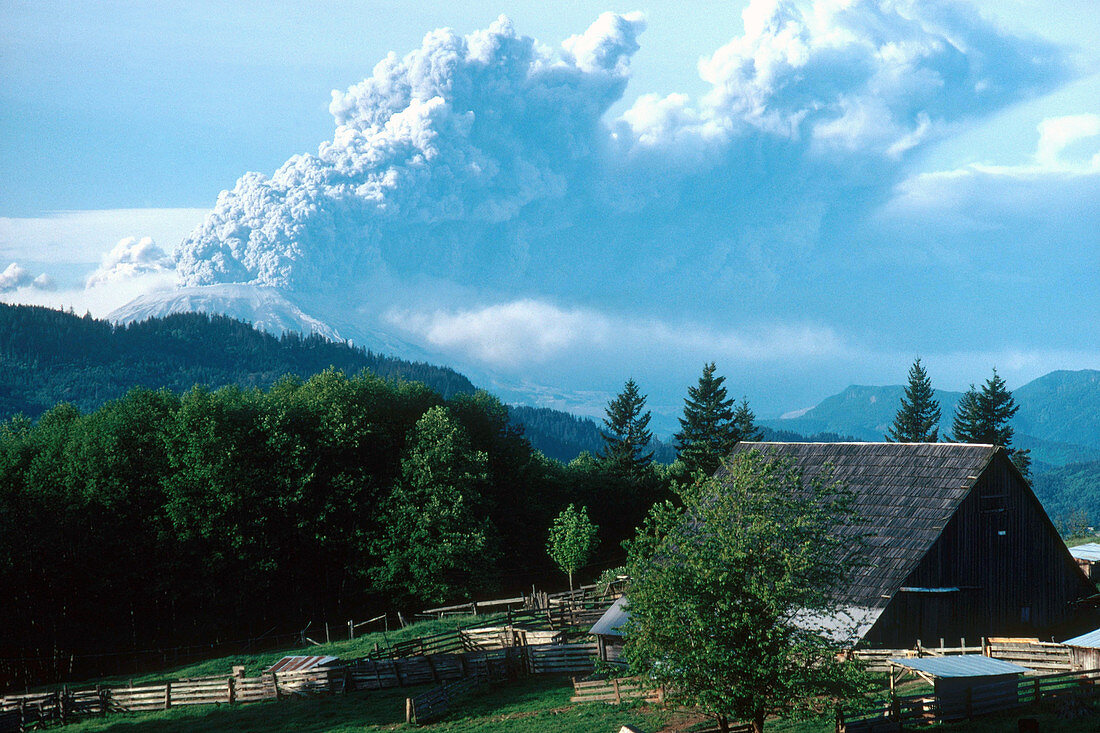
[[959, 547], [608, 631], [1088, 557]]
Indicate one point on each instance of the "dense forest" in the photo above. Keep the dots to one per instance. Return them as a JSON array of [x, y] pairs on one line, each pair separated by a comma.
[[1071, 494], [166, 519], [49, 356]]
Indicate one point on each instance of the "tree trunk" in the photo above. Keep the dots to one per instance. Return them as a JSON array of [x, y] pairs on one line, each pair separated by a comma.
[[758, 723], [723, 724], [570, 581]]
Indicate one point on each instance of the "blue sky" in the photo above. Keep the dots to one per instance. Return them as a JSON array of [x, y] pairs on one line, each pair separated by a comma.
[[809, 193]]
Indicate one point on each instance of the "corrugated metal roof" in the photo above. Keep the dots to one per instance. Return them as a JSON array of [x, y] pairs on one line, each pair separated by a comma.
[[906, 493], [1090, 640], [1090, 552], [965, 665], [297, 664], [612, 619]]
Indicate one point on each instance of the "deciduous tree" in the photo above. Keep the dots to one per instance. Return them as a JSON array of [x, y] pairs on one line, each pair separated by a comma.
[[572, 540], [724, 592]]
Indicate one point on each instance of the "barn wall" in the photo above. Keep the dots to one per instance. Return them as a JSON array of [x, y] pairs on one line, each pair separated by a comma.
[[1020, 582]]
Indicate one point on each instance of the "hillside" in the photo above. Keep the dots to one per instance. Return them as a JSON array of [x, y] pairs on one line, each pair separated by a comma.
[[1059, 418], [50, 356], [1069, 489]]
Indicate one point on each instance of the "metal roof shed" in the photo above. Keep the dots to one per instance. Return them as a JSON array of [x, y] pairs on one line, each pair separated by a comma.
[[1084, 650], [608, 630], [955, 679], [301, 663]]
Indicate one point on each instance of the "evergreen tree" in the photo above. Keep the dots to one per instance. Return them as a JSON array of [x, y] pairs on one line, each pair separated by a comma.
[[919, 415], [983, 417], [706, 430], [627, 433], [964, 426], [744, 424]]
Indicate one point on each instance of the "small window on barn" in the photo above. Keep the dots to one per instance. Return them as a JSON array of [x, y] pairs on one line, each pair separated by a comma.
[[994, 503], [1025, 614]]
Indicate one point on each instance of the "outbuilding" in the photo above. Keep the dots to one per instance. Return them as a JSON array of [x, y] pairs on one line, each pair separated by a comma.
[[1088, 557], [956, 678], [608, 631]]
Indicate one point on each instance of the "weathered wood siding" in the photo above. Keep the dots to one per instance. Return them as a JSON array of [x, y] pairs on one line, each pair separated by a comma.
[[1001, 550]]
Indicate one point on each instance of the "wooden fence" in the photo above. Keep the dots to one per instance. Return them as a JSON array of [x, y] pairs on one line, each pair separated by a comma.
[[616, 690], [1038, 655], [982, 700], [436, 702]]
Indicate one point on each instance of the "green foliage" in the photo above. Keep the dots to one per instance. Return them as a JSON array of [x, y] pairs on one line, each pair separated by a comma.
[[744, 423], [707, 433], [437, 537], [918, 418], [50, 355], [1071, 494], [572, 540], [627, 434], [716, 586], [983, 417]]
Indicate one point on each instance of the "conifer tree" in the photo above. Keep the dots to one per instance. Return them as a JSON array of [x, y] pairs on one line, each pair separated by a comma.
[[627, 433], [707, 429], [965, 426], [744, 423], [919, 416], [983, 417]]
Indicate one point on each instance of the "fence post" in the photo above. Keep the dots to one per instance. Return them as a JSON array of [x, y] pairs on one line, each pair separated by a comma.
[[408, 710], [985, 647], [840, 727], [167, 695], [618, 697], [103, 693], [351, 630]]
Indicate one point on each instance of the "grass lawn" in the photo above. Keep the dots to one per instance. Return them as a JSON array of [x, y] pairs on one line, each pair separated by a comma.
[[255, 663], [533, 704]]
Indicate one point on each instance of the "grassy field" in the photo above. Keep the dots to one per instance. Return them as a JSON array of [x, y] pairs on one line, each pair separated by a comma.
[[534, 704], [257, 662]]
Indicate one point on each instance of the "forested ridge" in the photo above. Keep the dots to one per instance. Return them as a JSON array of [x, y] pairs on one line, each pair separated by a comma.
[[49, 356]]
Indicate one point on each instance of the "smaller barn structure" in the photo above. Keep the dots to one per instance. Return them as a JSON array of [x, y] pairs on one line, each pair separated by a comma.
[[1088, 558], [609, 637], [1084, 650], [955, 678]]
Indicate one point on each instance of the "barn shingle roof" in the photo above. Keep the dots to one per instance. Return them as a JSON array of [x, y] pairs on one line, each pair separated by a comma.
[[905, 492]]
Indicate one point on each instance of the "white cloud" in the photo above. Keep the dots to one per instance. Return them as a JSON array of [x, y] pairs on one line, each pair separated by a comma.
[[516, 334], [131, 257], [15, 276], [12, 277], [479, 158]]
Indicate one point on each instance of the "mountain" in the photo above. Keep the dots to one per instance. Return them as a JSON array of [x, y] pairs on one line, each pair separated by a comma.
[[1059, 417], [50, 356], [1070, 489], [1062, 406], [268, 309]]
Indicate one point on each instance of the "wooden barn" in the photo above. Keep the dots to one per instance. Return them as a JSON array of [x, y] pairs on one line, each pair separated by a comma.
[[959, 546]]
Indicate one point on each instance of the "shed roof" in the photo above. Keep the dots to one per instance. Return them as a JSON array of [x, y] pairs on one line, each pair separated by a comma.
[[905, 492], [1089, 551], [299, 663], [1090, 640], [612, 619], [965, 665]]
